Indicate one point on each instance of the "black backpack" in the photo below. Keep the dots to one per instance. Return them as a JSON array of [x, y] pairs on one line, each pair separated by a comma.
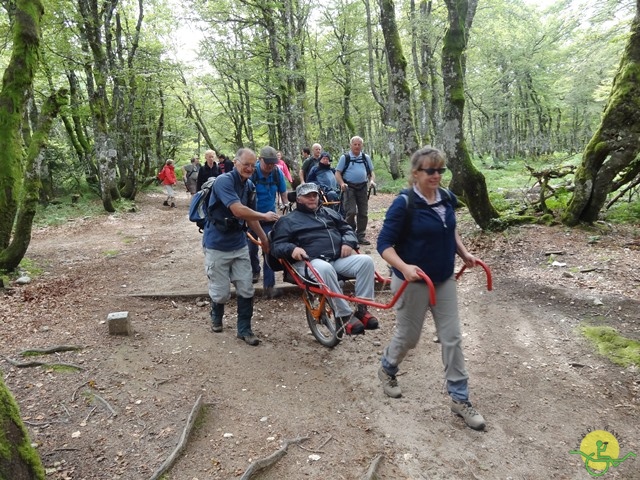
[[347, 162]]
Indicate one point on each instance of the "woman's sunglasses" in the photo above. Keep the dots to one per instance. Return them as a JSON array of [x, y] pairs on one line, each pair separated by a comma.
[[433, 171]]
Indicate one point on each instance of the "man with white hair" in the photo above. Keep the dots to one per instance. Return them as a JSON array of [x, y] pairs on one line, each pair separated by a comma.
[[310, 162], [354, 173]]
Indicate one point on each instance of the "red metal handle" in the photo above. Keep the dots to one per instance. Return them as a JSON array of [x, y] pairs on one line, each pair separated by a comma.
[[487, 271], [324, 290]]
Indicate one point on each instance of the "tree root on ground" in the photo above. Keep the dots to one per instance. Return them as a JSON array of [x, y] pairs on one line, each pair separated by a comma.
[[191, 420], [54, 349], [271, 459], [41, 364], [106, 404], [373, 466]]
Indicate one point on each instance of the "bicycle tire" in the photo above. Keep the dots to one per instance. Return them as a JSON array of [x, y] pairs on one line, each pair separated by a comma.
[[324, 329]]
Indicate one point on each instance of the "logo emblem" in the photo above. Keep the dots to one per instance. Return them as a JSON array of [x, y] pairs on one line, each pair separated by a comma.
[[600, 451]]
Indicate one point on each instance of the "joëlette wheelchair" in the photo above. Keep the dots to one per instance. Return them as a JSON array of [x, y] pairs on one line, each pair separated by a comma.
[[317, 297]]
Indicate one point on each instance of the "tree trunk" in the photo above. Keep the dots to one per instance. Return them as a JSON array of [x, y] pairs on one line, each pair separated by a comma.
[[11, 256], [16, 84], [19, 460], [466, 179], [614, 147], [406, 140]]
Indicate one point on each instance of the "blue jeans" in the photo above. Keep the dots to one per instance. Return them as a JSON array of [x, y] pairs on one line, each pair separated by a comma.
[[268, 277]]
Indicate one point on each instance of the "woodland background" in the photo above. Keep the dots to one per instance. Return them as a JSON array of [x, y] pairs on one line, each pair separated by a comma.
[[97, 95]]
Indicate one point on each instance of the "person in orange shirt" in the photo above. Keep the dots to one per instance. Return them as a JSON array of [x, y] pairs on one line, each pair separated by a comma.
[[168, 178]]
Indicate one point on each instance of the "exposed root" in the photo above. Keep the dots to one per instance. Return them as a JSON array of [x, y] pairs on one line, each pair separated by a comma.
[[271, 459], [113, 412], [373, 466], [17, 364], [54, 349], [191, 420]]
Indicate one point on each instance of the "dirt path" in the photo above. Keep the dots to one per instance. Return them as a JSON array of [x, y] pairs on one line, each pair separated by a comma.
[[537, 382]]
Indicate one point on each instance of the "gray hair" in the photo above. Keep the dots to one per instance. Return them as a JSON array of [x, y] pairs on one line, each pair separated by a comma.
[[242, 152]]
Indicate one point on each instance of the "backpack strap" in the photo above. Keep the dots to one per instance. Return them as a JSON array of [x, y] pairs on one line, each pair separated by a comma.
[[347, 161], [410, 199]]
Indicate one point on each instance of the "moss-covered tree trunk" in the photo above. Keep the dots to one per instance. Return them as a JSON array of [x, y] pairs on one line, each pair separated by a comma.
[[18, 459], [467, 180], [95, 17], [16, 85], [11, 256], [404, 137], [614, 148]]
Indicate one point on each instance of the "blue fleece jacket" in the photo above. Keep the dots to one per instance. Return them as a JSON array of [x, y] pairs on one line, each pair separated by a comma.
[[428, 243]]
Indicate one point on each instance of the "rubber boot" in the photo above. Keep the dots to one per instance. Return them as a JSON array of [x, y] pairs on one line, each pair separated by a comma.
[[245, 313], [217, 312]]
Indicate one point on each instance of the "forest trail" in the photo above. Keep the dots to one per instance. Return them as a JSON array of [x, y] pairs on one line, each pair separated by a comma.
[[539, 384]]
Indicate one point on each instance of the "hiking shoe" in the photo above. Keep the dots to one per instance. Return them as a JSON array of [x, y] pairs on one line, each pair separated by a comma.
[[165, 203], [364, 241], [249, 339], [389, 384], [216, 327], [173, 205], [470, 415], [369, 321], [256, 277]]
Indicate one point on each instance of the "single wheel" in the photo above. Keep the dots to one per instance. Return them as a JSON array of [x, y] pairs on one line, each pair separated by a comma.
[[321, 319]]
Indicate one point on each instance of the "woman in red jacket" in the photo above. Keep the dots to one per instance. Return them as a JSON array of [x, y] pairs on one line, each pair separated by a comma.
[[168, 178]]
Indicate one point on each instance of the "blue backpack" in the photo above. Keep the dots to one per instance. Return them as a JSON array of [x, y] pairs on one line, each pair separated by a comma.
[[199, 204]]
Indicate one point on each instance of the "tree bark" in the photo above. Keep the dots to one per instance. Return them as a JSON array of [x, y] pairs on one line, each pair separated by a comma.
[[467, 180], [16, 84], [11, 256], [19, 460], [614, 148], [406, 140]]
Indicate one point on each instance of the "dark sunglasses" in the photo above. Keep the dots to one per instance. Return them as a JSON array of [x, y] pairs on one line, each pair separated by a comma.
[[432, 171]]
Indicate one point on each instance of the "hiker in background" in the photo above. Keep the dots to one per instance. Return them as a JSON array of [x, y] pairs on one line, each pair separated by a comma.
[[283, 167], [354, 173], [190, 175], [232, 207], [224, 164], [310, 162], [419, 235], [270, 187], [168, 178], [208, 170]]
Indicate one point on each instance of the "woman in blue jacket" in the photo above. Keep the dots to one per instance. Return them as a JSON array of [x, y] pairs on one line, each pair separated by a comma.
[[419, 235]]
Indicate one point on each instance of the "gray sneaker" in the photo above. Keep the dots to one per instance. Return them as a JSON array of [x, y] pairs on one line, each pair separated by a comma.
[[389, 384], [470, 415]]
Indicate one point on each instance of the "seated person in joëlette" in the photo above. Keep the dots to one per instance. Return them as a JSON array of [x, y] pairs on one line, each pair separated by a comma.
[[325, 176], [319, 234]]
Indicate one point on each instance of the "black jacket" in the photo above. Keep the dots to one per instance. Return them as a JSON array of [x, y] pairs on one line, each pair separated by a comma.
[[321, 233], [205, 173]]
